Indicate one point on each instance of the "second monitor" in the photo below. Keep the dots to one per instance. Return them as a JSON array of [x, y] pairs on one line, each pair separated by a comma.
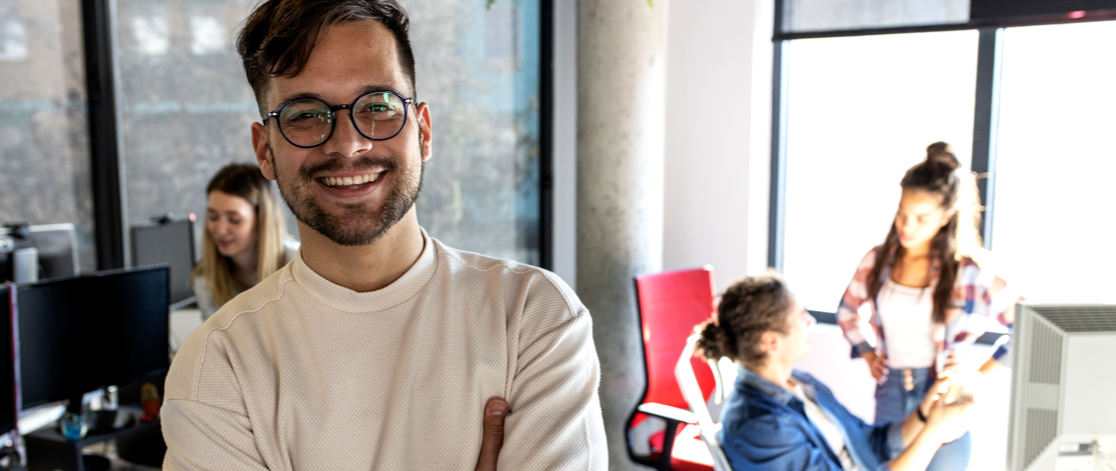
[[81, 334]]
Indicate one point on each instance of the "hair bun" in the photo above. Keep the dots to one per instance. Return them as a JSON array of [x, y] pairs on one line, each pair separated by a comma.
[[711, 343], [942, 153]]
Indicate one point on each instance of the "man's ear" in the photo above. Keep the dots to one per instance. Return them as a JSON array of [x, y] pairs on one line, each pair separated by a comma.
[[769, 341], [263, 150], [422, 113]]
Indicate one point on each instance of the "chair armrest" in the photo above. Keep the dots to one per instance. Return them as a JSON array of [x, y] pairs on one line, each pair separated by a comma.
[[669, 413]]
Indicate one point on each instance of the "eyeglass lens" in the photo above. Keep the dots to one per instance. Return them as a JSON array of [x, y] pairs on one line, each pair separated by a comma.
[[309, 122]]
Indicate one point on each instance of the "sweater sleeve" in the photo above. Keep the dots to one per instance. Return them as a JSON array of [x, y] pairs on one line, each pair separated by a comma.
[[205, 423], [203, 437], [855, 296], [555, 420]]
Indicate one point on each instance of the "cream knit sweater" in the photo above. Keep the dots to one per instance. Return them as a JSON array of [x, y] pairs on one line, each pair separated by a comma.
[[298, 373]]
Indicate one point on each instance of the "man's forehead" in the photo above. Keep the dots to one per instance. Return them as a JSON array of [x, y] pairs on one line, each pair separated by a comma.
[[349, 59]]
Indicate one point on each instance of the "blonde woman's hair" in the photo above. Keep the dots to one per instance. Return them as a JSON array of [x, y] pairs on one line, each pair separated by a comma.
[[214, 269]]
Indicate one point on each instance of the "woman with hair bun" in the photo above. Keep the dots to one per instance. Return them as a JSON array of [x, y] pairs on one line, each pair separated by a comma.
[[245, 238], [782, 419], [929, 286]]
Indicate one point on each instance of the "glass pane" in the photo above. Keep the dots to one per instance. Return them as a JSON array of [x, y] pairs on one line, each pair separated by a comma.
[[1052, 219], [861, 111], [801, 16], [44, 147], [478, 66], [187, 109], [185, 104]]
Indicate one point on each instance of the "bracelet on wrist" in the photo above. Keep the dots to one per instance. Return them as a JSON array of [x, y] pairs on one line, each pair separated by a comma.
[[921, 416]]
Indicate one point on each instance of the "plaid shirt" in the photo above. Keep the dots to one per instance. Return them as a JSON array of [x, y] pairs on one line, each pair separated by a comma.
[[978, 292]]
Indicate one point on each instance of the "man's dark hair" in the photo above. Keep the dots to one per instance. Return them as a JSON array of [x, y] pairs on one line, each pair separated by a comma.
[[279, 35]]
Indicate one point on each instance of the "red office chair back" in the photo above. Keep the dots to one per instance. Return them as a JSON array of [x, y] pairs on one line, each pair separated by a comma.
[[670, 305]]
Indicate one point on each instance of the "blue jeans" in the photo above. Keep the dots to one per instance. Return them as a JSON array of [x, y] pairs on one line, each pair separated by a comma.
[[894, 402]]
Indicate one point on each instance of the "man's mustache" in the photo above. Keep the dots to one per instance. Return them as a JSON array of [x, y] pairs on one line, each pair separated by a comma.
[[307, 172]]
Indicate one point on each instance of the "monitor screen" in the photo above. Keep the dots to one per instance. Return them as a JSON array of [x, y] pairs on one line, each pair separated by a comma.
[[81, 334], [172, 243], [54, 243], [7, 364]]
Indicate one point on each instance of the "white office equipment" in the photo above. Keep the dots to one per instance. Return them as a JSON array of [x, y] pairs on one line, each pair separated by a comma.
[[1063, 396]]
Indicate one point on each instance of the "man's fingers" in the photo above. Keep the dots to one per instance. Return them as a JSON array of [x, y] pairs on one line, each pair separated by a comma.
[[494, 413]]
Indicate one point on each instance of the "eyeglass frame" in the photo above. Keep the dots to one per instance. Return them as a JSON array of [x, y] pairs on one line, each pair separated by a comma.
[[333, 111]]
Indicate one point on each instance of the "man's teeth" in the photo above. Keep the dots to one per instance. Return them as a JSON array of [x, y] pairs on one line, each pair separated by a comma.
[[347, 181]]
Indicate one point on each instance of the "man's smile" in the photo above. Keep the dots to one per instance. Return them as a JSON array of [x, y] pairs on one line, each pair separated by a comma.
[[349, 182]]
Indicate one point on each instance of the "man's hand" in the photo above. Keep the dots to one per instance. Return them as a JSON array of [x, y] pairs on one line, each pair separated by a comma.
[[494, 413], [877, 364]]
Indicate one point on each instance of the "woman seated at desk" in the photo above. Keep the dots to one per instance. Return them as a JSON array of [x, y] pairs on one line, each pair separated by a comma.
[[782, 419], [245, 237]]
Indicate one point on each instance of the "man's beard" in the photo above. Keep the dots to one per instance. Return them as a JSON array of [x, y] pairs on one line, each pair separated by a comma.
[[357, 223]]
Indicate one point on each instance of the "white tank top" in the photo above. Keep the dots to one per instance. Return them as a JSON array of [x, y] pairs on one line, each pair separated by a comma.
[[905, 313]]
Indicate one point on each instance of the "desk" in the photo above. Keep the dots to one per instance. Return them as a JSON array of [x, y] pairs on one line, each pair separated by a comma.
[[48, 450]]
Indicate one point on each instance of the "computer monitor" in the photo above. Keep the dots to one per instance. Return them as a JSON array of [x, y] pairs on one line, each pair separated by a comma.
[[7, 364], [81, 334], [55, 245], [1063, 383], [168, 241]]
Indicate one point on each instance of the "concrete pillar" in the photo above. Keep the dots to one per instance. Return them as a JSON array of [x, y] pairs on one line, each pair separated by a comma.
[[621, 114]]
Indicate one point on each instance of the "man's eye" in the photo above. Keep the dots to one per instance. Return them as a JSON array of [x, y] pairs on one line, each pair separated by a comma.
[[305, 116]]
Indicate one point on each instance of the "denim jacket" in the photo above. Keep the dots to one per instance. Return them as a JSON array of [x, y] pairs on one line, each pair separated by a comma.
[[764, 427]]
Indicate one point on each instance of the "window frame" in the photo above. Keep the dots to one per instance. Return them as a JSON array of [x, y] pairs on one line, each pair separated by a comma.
[[985, 123]]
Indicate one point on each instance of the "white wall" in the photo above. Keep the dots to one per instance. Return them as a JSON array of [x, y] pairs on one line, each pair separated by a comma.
[[718, 137]]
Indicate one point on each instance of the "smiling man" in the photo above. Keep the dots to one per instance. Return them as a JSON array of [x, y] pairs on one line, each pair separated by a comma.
[[379, 347]]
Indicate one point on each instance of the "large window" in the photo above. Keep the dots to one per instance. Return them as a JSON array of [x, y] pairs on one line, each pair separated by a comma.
[[187, 107], [185, 104], [861, 110], [1053, 216], [44, 153], [477, 66]]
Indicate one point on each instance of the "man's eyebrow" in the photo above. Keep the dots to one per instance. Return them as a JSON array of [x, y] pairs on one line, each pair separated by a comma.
[[379, 88], [299, 96], [363, 90]]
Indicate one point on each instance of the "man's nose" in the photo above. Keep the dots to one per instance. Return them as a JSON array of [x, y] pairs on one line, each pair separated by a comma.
[[346, 141]]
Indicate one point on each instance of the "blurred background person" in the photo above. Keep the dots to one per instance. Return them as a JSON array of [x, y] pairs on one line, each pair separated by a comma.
[[245, 237], [929, 286], [779, 418]]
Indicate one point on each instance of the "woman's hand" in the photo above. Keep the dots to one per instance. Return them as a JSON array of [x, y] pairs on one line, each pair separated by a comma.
[[948, 420], [952, 361], [877, 365], [938, 390]]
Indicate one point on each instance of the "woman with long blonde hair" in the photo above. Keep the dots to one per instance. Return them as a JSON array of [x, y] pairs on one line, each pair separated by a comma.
[[245, 238]]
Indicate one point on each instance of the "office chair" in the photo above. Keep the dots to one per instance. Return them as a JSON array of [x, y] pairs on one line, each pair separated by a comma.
[[670, 305], [695, 396]]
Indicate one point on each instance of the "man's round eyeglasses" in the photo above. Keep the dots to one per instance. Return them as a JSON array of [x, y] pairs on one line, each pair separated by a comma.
[[309, 122]]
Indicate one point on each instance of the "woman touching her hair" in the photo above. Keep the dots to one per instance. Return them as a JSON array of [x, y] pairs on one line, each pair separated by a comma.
[[929, 286], [779, 418], [245, 238]]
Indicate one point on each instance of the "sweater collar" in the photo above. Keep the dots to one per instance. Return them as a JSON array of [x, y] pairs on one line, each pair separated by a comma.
[[344, 299]]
